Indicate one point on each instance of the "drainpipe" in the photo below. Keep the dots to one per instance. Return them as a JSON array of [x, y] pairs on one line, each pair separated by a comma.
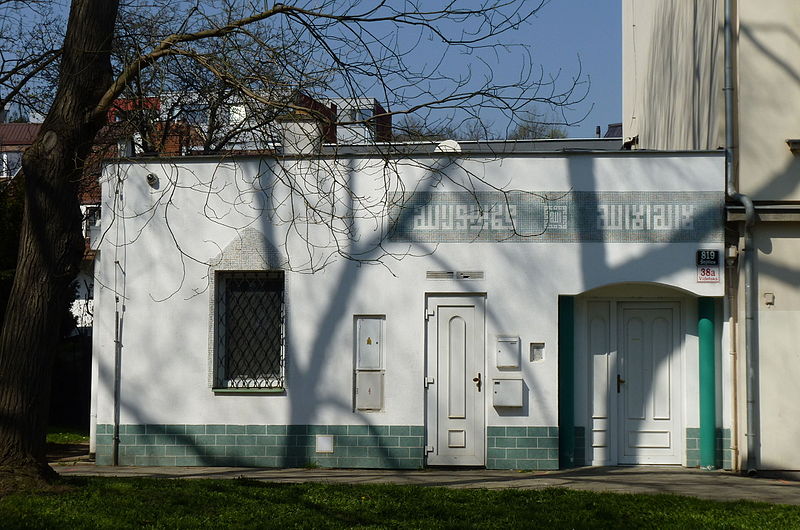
[[117, 367], [747, 254]]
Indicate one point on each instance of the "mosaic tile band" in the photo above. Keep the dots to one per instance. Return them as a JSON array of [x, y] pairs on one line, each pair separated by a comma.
[[566, 217]]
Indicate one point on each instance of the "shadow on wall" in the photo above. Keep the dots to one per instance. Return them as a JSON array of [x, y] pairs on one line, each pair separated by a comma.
[[243, 443], [676, 75], [268, 445], [769, 82]]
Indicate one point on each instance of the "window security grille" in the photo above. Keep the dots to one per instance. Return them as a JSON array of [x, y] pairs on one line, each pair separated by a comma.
[[250, 318]]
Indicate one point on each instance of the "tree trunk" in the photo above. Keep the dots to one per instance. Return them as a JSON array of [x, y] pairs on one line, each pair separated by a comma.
[[51, 242]]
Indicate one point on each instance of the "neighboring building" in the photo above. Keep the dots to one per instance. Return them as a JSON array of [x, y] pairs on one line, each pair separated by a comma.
[[561, 323], [14, 139], [183, 123], [361, 120], [614, 130], [674, 99]]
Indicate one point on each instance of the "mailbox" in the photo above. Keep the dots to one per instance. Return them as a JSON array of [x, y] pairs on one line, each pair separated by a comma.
[[507, 392], [508, 352]]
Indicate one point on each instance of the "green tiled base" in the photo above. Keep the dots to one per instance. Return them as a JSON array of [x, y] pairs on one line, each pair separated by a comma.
[[522, 448], [355, 446], [723, 449]]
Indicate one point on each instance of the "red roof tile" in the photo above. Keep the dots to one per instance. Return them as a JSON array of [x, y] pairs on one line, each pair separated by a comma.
[[18, 133]]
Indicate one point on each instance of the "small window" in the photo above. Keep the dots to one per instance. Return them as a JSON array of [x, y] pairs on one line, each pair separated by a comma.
[[250, 329]]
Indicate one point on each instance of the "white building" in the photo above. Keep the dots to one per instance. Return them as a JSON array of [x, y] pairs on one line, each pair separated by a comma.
[[510, 311], [361, 121]]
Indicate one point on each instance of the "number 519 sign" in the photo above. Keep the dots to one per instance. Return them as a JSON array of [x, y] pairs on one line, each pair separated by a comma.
[[707, 266]]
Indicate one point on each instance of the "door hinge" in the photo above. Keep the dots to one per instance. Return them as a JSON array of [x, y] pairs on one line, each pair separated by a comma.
[[428, 448], [429, 313], [429, 381]]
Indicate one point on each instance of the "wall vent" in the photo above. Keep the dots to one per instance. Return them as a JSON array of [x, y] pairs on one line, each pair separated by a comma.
[[454, 275], [440, 275]]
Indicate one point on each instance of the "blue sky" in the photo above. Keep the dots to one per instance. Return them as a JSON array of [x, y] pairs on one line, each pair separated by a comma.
[[565, 38], [592, 30], [564, 34]]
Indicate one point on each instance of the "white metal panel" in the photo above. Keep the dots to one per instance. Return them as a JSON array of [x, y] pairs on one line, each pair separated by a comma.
[[507, 392], [324, 443], [369, 343], [369, 390]]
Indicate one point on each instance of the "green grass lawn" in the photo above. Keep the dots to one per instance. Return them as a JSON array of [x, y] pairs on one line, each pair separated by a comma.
[[66, 435], [133, 503]]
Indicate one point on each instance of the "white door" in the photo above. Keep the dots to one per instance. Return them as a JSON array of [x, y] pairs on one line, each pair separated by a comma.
[[648, 383], [455, 380]]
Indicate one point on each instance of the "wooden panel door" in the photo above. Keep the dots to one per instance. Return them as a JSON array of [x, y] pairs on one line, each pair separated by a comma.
[[455, 381], [648, 383]]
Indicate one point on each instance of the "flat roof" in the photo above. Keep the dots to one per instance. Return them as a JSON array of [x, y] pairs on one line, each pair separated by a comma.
[[491, 148]]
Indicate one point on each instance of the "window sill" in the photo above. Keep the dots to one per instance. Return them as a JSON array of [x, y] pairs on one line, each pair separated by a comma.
[[249, 390]]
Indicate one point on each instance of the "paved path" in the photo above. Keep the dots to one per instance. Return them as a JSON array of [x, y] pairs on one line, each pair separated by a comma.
[[715, 485]]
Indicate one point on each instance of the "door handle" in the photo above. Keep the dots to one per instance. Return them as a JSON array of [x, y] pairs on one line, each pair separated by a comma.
[[477, 381], [619, 382]]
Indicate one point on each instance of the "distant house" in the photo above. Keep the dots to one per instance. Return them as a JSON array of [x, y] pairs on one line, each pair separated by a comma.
[[14, 139], [361, 120], [614, 130]]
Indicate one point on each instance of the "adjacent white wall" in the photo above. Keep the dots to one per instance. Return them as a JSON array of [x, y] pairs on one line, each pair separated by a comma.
[[673, 99]]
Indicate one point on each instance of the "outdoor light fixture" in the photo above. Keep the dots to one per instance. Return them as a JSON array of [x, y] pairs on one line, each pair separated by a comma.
[[152, 180]]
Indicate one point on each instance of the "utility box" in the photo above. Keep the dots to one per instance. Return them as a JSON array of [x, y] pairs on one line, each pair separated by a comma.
[[507, 392], [507, 352], [369, 343], [369, 390]]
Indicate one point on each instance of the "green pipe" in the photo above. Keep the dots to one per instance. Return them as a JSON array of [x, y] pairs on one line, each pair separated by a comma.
[[708, 392], [566, 382]]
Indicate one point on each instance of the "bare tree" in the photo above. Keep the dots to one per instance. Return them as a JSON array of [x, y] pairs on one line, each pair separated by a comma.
[[275, 57], [537, 125]]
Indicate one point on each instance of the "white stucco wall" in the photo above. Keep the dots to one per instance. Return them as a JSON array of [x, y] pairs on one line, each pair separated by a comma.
[[158, 244], [672, 73]]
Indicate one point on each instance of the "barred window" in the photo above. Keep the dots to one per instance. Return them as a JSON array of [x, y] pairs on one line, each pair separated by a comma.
[[250, 329]]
